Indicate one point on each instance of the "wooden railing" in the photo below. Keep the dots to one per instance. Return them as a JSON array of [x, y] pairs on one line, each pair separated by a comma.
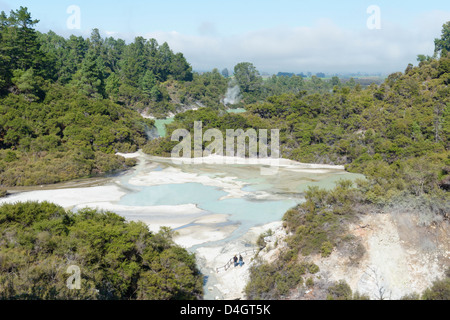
[[231, 262]]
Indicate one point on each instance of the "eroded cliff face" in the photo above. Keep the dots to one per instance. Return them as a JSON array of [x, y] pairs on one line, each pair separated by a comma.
[[391, 255]]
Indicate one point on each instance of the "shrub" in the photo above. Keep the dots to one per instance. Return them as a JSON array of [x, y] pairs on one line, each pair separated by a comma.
[[118, 260], [440, 290], [309, 283], [260, 241], [326, 249], [340, 291]]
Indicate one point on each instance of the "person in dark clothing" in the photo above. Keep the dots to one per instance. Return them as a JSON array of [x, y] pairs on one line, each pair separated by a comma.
[[235, 259]]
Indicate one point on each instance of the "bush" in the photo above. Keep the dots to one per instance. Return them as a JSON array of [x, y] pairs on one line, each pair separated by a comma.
[[313, 268], [411, 296], [440, 290], [309, 283], [260, 242], [358, 296], [326, 249], [118, 260], [271, 281], [340, 291]]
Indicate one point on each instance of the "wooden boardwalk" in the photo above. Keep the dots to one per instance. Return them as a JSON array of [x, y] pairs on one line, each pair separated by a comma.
[[231, 262]]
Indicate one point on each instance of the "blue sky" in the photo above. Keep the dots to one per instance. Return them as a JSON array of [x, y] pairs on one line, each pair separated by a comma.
[[276, 35]]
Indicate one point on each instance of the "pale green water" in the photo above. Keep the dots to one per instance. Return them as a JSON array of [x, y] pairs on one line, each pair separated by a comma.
[[160, 125], [238, 110]]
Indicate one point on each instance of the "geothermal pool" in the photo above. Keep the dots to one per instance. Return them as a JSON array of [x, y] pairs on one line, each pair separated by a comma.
[[208, 205]]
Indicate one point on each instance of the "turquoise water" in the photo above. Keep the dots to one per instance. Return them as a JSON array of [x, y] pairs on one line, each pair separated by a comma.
[[160, 125], [242, 212], [254, 211], [208, 199], [286, 190]]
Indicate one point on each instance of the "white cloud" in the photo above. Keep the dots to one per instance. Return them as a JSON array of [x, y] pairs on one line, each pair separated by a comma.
[[323, 47], [111, 33]]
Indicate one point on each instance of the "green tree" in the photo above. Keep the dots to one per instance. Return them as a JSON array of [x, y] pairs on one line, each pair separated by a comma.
[[114, 51], [442, 45], [28, 83], [180, 68], [133, 63], [247, 77], [25, 49], [89, 79], [225, 73], [19, 45], [335, 81], [164, 59], [5, 72], [95, 43], [112, 86], [148, 82]]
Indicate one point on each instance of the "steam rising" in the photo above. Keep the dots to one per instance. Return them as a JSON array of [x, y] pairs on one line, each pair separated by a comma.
[[233, 95]]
